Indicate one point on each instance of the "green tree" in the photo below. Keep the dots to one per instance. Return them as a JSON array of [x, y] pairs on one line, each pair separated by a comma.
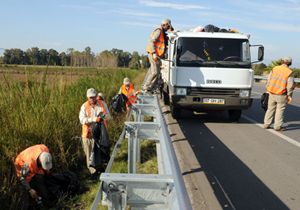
[[53, 58], [34, 56], [135, 62], [106, 59], [123, 58], [145, 61], [64, 59], [259, 68], [89, 56], [13, 56], [43, 56], [273, 64]]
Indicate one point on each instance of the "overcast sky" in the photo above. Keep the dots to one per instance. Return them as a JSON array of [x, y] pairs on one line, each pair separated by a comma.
[[126, 24]]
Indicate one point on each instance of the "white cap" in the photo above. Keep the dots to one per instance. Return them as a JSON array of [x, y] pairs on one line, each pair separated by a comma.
[[91, 92], [287, 59], [101, 95], [126, 81], [167, 21], [46, 160]]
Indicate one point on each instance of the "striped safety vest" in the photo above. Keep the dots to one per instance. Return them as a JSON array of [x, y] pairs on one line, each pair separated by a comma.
[[279, 79], [129, 94], [87, 128], [159, 44]]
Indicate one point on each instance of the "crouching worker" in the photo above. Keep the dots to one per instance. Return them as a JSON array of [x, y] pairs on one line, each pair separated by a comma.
[[127, 89], [32, 166]]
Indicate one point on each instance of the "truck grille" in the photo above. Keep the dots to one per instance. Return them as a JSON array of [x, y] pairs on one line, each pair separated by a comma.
[[213, 91]]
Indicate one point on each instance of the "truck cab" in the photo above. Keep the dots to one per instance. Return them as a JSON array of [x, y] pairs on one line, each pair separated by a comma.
[[208, 71]]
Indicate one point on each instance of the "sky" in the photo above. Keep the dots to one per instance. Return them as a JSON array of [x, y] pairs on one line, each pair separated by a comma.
[[127, 24]]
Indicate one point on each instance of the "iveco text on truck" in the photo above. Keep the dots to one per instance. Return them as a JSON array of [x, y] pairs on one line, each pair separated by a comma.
[[208, 71]]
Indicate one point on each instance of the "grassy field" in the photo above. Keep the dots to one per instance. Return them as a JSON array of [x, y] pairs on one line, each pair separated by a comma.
[[41, 105]]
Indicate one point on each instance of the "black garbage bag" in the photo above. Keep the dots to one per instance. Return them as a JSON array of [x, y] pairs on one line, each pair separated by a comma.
[[211, 28], [118, 103], [101, 148], [65, 183], [264, 101]]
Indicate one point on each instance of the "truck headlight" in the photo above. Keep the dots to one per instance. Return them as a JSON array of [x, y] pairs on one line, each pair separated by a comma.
[[181, 91], [244, 93]]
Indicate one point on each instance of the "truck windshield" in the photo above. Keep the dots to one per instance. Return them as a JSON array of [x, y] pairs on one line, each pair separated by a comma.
[[213, 52]]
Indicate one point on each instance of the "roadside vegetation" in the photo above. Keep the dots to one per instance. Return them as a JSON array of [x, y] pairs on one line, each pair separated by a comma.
[[263, 69], [41, 105]]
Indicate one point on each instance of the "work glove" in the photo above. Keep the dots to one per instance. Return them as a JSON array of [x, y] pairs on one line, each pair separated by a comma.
[[33, 193], [102, 115], [96, 119]]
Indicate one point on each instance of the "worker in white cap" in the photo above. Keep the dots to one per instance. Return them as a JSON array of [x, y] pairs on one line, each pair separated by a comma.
[[32, 164], [90, 112], [127, 89], [280, 86], [156, 49]]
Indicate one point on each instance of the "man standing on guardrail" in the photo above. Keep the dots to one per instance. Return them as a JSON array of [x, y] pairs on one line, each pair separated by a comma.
[[156, 49], [280, 86]]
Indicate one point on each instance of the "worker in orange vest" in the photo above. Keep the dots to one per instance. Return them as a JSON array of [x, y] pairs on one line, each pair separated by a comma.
[[127, 89], [156, 49], [280, 86], [90, 112], [32, 165]]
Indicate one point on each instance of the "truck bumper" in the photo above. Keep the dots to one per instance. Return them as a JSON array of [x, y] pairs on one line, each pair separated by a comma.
[[197, 103]]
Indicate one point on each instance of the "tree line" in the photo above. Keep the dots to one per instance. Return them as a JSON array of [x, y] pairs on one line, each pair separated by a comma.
[[72, 57], [261, 68]]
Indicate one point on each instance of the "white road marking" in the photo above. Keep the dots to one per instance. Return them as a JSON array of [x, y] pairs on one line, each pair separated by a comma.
[[288, 139]]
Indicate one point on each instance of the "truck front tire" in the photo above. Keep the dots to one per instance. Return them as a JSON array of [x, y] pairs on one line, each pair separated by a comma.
[[175, 112], [234, 115]]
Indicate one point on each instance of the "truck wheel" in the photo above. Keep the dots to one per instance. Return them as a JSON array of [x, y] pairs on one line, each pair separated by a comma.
[[165, 94], [176, 112], [234, 115]]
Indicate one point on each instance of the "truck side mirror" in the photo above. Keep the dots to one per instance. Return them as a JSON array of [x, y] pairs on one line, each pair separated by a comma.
[[260, 55]]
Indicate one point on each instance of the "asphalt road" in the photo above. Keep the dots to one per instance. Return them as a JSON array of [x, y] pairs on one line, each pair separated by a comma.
[[239, 165]]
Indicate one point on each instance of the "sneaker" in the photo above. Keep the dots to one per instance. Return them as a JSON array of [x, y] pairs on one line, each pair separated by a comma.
[[280, 129], [265, 126]]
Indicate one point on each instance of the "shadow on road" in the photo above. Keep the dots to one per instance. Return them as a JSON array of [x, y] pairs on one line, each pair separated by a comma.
[[234, 184], [290, 114]]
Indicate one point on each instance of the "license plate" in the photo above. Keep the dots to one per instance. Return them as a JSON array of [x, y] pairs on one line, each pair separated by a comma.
[[213, 101]]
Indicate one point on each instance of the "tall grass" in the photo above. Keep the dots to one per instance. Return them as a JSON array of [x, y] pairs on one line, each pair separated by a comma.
[[36, 111]]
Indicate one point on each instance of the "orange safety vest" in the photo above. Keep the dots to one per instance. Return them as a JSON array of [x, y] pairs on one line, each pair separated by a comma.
[[159, 44], [104, 111], [87, 128], [30, 156], [278, 80], [129, 94]]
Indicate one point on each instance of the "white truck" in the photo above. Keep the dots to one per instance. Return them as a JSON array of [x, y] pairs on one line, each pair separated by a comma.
[[208, 71]]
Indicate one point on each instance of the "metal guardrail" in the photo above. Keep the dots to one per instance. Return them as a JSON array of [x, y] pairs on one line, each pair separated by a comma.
[[165, 190], [257, 77]]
